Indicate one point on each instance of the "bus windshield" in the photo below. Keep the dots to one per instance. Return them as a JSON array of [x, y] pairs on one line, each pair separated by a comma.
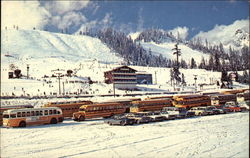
[[6, 116], [82, 109]]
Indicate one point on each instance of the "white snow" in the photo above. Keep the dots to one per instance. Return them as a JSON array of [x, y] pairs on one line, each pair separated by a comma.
[[209, 136], [165, 49], [235, 35], [41, 44]]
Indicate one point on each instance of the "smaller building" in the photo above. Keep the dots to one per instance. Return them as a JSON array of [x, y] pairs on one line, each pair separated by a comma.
[[143, 78], [122, 77]]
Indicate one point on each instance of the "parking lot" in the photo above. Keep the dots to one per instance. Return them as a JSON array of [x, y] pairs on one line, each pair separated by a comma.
[[207, 136]]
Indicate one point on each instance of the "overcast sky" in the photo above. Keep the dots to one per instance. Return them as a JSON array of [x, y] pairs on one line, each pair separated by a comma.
[[188, 17]]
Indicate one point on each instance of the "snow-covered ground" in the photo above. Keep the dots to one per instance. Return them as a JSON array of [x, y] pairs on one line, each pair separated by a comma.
[[209, 136]]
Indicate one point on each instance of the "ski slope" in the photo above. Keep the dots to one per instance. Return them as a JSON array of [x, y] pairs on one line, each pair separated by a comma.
[[27, 44], [165, 49], [209, 136]]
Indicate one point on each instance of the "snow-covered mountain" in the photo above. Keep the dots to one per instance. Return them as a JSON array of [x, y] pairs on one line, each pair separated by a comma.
[[160, 42], [165, 49], [24, 44], [235, 35]]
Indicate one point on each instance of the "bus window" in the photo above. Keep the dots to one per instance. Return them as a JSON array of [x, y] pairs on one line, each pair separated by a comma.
[[45, 112], [41, 113], [23, 114], [37, 113], [28, 113], [58, 112], [54, 111], [32, 113], [19, 114], [50, 112], [12, 115]]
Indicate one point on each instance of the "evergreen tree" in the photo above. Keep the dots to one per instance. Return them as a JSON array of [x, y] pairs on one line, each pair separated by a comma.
[[183, 79], [193, 64], [224, 76], [202, 64], [217, 62], [211, 63]]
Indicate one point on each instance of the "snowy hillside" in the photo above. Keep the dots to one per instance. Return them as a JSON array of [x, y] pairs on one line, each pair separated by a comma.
[[23, 44], [165, 49], [87, 57]]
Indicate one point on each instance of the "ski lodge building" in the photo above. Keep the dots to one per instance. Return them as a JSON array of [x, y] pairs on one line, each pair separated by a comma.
[[122, 77]]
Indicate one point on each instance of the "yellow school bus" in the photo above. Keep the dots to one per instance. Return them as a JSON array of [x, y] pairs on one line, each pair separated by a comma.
[[233, 91], [150, 105], [32, 116], [188, 101], [221, 99], [98, 110], [69, 107]]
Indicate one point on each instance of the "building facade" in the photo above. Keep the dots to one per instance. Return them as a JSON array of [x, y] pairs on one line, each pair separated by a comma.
[[122, 77], [144, 78]]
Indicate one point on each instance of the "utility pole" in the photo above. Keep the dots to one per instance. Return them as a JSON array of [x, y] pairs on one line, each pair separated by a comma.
[[114, 88], [155, 78], [63, 89], [58, 73], [28, 71], [195, 78]]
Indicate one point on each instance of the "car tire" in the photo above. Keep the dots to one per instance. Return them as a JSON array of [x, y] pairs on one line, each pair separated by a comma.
[[123, 123]]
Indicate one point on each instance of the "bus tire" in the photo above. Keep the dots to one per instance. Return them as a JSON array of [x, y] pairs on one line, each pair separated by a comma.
[[22, 124], [53, 121], [81, 118]]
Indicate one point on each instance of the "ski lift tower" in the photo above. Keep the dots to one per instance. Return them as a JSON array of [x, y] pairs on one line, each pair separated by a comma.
[[58, 73]]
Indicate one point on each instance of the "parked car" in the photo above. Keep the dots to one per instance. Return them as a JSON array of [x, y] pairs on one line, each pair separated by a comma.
[[156, 116], [199, 111], [232, 106], [172, 111], [189, 113], [141, 117], [120, 121], [215, 110], [243, 106], [167, 116]]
